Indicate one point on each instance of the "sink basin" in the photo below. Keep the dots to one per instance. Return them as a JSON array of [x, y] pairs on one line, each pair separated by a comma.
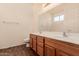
[[59, 36]]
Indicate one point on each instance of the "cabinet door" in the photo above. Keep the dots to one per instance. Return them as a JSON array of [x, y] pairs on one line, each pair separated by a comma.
[[40, 38], [34, 45], [49, 51], [40, 50], [61, 53], [31, 42]]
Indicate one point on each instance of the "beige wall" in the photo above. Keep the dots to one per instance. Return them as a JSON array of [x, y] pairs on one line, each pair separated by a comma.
[[13, 34], [36, 11]]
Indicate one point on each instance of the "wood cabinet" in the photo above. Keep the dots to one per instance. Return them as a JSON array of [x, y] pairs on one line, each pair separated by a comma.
[[40, 50], [45, 46], [49, 51], [33, 42], [63, 48], [40, 46], [61, 53]]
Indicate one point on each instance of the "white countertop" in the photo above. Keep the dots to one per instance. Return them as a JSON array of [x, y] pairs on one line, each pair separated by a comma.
[[72, 37]]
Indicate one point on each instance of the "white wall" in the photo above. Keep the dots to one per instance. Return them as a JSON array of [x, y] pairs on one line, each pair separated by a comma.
[[13, 34]]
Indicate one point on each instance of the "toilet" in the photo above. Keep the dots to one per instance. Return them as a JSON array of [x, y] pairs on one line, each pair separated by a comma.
[[26, 41]]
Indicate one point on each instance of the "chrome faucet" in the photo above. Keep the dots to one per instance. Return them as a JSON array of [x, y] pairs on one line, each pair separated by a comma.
[[65, 34]]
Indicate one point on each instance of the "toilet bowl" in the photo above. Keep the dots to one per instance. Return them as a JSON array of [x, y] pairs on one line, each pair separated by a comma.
[[26, 41]]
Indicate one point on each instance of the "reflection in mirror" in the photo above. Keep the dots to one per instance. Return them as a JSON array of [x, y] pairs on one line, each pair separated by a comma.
[[64, 17]]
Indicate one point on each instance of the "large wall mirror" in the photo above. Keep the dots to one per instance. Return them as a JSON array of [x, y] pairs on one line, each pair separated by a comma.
[[64, 17]]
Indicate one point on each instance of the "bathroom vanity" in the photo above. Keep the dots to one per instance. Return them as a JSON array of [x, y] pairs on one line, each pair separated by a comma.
[[45, 45]]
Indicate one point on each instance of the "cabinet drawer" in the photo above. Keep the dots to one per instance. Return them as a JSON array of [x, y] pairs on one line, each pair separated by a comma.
[[34, 45], [40, 38], [33, 36], [31, 45], [40, 43], [31, 42], [49, 51], [40, 50], [49, 42]]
